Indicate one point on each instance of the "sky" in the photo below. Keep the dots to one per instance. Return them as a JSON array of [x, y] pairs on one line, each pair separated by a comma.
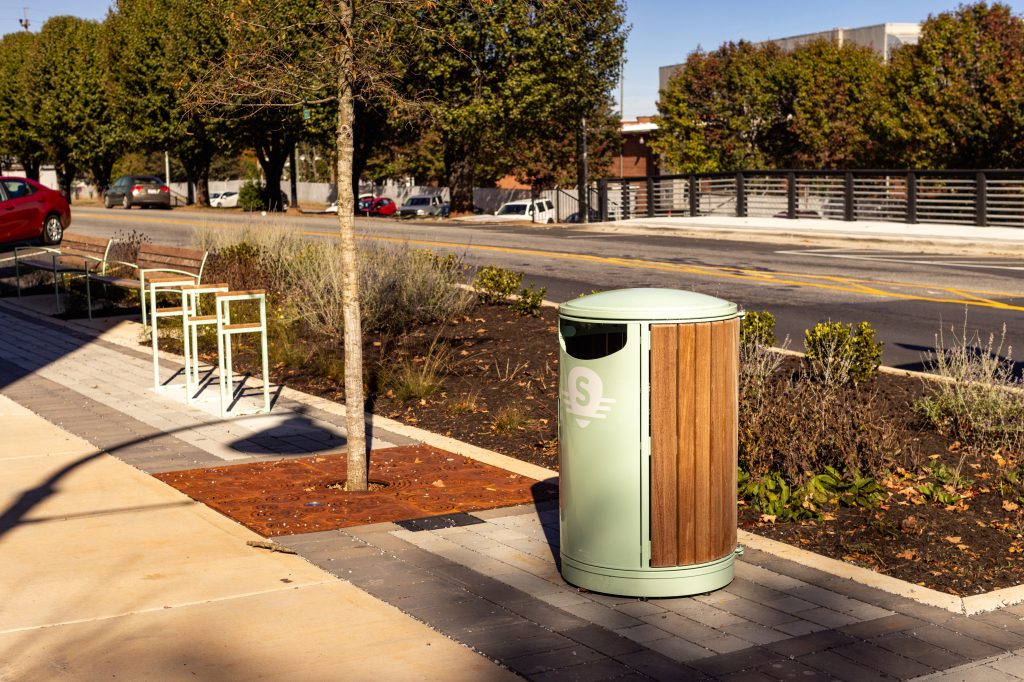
[[663, 31]]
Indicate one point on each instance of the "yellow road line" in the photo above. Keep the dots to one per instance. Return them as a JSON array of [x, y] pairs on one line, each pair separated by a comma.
[[966, 297]]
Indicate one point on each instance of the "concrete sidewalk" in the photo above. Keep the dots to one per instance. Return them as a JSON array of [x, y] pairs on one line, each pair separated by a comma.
[[851, 235], [110, 573]]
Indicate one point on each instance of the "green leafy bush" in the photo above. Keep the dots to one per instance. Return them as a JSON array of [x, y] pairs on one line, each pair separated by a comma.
[[494, 284], [772, 494], [757, 329], [529, 301], [250, 197], [838, 353]]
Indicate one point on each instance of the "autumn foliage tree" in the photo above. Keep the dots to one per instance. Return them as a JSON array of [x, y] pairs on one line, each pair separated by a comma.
[[957, 97], [954, 100]]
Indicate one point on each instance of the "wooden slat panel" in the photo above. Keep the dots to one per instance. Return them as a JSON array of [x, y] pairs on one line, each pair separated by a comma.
[[687, 483], [732, 425], [694, 386], [664, 445], [718, 478], [701, 439]]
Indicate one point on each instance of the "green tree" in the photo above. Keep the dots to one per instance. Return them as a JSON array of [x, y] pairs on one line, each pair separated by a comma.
[[290, 56], [829, 95], [155, 53], [723, 111], [19, 132], [511, 82], [957, 97], [68, 100], [576, 53]]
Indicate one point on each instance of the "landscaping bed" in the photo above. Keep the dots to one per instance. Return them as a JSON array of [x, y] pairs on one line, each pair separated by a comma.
[[882, 470], [507, 364]]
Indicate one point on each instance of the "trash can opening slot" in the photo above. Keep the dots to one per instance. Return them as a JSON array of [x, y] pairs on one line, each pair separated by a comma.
[[592, 340]]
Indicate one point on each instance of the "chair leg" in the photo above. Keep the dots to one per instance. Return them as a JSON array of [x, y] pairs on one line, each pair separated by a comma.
[[142, 304], [263, 345], [221, 371], [155, 336], [17, 275], [187, 354], [88, 295], [56, 290]]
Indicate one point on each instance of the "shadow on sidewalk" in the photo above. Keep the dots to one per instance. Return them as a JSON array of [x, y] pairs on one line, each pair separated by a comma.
[[545, 500]]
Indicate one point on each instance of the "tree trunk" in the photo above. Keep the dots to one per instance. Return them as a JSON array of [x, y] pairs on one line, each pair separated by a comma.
[[582, 182], [198, 170], [65, 178], [356, 478], [272, 153], [460, 164], [31, 169]]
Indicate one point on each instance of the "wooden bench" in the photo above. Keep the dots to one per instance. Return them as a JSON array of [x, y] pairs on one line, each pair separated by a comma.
[[156, 264], [74, 257]]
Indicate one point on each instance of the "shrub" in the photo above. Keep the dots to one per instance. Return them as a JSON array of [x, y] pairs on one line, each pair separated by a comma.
[[127, 244], [839, 354], [510, 418], [772, 494], [529, 301], [398, 287], [250, 197], [797, 426], [981, 403], [419, 377], [757, 329], [494, 284]]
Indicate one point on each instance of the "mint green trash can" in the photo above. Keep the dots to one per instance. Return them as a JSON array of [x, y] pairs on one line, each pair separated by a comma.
[[647, 427]]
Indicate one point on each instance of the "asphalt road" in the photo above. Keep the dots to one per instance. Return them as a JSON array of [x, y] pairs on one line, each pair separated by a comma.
[[906, 295]]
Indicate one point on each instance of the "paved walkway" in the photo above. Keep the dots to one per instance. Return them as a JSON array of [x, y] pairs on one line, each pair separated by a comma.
[[115, 573]]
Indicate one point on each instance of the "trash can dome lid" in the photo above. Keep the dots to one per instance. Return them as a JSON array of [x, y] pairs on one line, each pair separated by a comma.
[[649, 304]]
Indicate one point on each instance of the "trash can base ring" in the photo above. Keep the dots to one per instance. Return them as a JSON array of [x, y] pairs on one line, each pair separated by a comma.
[[672, 582]]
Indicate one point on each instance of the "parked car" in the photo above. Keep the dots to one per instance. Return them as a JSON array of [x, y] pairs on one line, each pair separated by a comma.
[[593, 214], [424, 205], [138, 190], [29, 210], [225, 200], [381, 206], [213, 197], [534, 210], [361, 203]]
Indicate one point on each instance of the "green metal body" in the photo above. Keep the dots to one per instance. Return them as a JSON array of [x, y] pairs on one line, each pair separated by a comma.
[[604, 442]]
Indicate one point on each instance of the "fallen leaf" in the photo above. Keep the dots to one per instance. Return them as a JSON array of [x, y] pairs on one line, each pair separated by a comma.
[[768, 518], [1010, 506], [954, 539], [440, 484], [909, 555]]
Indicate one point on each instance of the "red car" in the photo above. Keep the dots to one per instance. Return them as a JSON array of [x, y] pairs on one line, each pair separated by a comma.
[[30, 211], [376, 206]]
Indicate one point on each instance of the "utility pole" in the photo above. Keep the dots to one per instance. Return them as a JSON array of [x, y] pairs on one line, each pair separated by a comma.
[[24, 22]]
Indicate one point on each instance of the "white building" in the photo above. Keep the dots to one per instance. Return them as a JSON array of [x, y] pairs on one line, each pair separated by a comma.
[[882, 38]]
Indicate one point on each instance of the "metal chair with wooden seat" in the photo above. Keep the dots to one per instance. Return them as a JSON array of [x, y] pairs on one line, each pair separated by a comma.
[[225, 331], [173, 284], [191, 320]]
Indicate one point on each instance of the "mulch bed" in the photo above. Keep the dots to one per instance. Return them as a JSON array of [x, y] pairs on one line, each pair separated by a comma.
[[294, 496]]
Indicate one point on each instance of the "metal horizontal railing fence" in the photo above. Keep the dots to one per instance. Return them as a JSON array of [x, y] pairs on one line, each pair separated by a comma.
[[961, 197]]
